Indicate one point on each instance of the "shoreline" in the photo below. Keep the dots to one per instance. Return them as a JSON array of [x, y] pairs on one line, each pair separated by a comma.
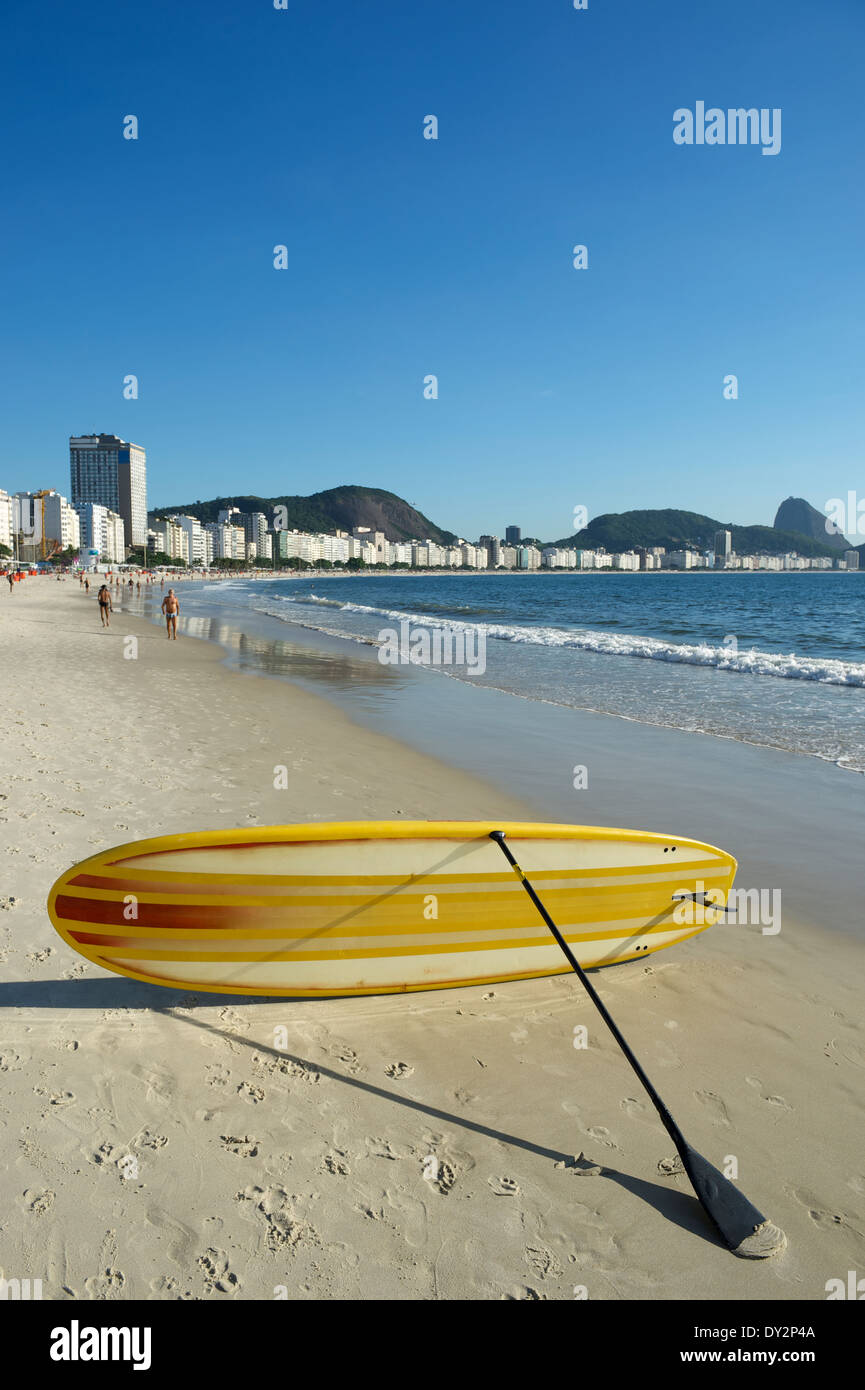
[[259, 1164]]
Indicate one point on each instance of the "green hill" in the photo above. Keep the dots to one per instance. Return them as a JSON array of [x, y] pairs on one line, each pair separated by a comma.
[[336, 509], [676, 529]]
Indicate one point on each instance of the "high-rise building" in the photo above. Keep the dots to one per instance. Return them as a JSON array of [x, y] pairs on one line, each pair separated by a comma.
[[852, 559], [112, 472], [493, 546], [723, 548], [513, 535]]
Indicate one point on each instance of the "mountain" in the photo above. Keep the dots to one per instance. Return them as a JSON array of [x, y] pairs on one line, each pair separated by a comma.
[[675, 529], [336, 509], [795, 514]]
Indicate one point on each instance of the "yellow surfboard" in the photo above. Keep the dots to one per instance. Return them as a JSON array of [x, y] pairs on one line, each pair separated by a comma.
[[381, 907]]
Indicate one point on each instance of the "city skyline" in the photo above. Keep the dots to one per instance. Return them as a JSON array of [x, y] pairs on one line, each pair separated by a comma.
[[108, 484]]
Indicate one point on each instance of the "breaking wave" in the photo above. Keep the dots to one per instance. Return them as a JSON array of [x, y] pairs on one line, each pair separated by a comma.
[[784, 666]]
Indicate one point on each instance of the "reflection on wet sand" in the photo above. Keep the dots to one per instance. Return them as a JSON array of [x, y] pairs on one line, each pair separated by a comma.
[[274, 656]]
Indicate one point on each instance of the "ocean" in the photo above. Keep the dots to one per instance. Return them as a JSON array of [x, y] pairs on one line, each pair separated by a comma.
[[776, 660]]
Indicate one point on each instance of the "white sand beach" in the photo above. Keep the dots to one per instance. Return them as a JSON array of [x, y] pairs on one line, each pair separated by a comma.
[[156, 1145]]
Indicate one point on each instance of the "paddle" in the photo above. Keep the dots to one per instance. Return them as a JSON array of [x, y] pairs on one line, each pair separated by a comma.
[[743, 1228]]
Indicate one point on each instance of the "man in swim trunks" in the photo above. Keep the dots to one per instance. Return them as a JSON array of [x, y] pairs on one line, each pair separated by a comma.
[[170, 608], [105, 605]]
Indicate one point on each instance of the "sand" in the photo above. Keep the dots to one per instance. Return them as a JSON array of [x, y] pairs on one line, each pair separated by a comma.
[[156, 1145]]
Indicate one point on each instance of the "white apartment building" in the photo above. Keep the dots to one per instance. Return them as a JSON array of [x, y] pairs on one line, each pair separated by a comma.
[[167, 537], [555, 557], [472, 555], [6, 519], [196, 538], [45, 522], [227, 539], [103, 531], [681, 559]]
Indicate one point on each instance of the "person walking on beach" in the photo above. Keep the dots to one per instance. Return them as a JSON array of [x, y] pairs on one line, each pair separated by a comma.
[[10, 576], [105, 605], [170, 608]]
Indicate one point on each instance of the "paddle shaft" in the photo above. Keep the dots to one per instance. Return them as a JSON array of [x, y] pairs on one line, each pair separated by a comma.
[[666, 1118]]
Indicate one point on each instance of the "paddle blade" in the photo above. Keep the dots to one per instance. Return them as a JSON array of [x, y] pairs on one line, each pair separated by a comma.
[[745, 1229]]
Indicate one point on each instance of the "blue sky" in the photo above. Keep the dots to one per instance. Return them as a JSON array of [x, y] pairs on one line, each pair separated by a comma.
[[557, 387]]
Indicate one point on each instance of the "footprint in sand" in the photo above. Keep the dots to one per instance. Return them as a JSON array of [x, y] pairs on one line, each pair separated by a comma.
[[335, 1163], [778, 1101], [397, 1070], [382, 1148], [413, 1223], [543, 1262], [463, 1096], [671, 1167], [714, 1105], [251, 1094], [633, 1107], [286, 1231], [504, 1187], [39, 1201], [218, 1076], [825, 1220], [243, 1146], [445, 1179], [62, 1098], [850, 1051], [234, 1022], [218, 1277], [106, 1285], [601, 1135], [160, 1084], [148, 1140]]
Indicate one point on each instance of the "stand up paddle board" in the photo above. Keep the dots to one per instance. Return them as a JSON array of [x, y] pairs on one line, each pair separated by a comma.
[[381, 907]]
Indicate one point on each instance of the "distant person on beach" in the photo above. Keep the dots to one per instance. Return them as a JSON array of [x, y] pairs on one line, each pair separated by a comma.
[[10, 576], [87, 586], [105, 605], [170, 608]]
